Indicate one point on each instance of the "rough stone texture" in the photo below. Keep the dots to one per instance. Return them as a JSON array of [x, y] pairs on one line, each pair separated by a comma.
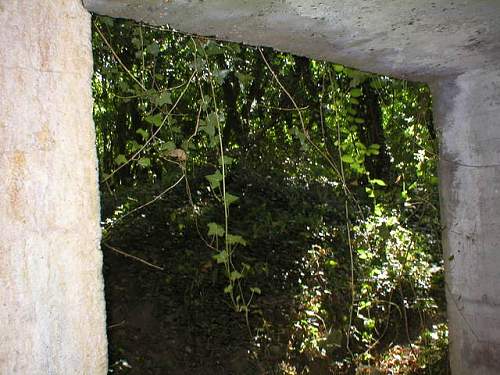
[[405, 38], [52, 317], [468, 110]]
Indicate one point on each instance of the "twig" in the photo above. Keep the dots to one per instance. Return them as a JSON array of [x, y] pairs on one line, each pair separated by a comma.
[[116, 324], [133, 257], [159, 196], [155, 132], [117, 57]]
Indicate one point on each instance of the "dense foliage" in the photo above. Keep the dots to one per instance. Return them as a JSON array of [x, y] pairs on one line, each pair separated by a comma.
[[302, 194]]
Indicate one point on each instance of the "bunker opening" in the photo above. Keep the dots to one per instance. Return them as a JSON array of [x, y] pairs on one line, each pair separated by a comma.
[[262, 212]]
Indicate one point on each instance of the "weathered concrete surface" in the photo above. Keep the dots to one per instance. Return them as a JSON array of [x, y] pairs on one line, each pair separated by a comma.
[[406, 38], [468, 110], [52, 318]]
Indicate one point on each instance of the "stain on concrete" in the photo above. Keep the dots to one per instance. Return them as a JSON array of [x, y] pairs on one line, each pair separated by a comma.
[[44, 138], [17, 164]]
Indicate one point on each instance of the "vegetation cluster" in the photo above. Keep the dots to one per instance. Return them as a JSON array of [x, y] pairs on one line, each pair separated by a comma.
[[264, 213]]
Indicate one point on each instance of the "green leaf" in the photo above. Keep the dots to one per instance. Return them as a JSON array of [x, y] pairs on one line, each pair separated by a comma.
[[348, 159], [235, 275], [228, 289], [338, 68], [144, 162], [143, 132], [168, 146], [363, 254], [155, 120], [230, 198], [220, 75], [376, 181], [227, 160], [331, 263], [153, 49], [244, 79], [256, 290], [215, 229], [132, 145], [212, 49], [108, 21], [356, 92], [221, 257], [120, 159], [164, 98], [233, 239], [214, 179]]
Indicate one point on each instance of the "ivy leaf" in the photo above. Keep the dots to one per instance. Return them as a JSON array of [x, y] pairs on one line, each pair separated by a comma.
[[233, 239], [376, 181], [215, 229], [227, 160], [235, 275], [168, 146], [143, 132], [214, 179], [155, 120], [356, 92], [133, 145], [244, 79], [212, 49], [108, 21], [348, 159], [144, 162], [153, 49], [230, 198], [220, 75], [120, 159], [363, 254], [164, 98], [221, 257]]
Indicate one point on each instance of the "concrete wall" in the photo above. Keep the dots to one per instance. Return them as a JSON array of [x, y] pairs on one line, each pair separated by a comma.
[[52, 316], [467, 109]]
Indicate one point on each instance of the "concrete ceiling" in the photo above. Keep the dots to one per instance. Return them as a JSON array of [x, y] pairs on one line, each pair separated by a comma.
[[416, 39]]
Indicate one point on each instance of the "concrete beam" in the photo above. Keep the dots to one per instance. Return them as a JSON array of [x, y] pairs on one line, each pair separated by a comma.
[[52, 316], [418, 40], [468, 111]]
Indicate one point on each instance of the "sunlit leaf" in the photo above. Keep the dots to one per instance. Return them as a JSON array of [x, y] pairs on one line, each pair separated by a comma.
[[233, 239], [214, 179], [155, 120], [120, 159], [215, 229], [144, 162], [356, 92], [230, 198]]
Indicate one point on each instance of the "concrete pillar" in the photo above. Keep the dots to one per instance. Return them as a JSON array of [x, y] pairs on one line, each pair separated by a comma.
[[52, 316], [467, 110]]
